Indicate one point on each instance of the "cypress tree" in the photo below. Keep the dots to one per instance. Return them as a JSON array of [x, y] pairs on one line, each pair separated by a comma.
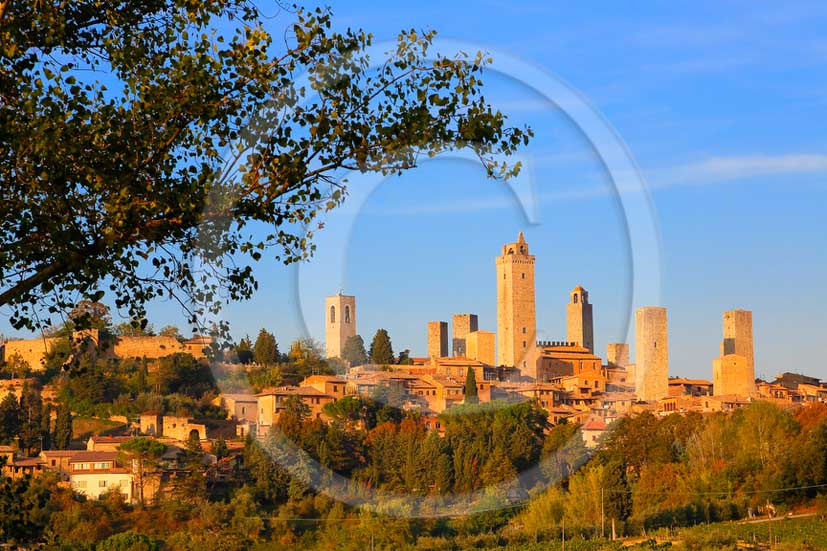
[[381, 351], [63, 427], [471, 394]]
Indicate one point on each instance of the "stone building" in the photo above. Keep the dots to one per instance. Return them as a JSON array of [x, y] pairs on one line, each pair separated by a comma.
[[516, 309], [438, 339], [738, 336], [617, 354], [553, 360], [480, 347], [34, 351], [462, 324], [579, 319], [732, 375], [651, 354], [340, 323]]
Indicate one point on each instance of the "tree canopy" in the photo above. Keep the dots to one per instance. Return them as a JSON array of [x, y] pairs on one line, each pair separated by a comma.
[[381, 351], [145, 145]]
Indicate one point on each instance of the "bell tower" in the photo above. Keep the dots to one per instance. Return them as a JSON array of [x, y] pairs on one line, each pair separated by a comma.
[[340, 323], [516, 309], [579, 319]]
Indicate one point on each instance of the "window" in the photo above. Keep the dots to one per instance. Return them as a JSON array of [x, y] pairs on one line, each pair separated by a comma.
[[102, 465], [243, 410], [524, 344], [332, 314], [80, 484], [575, 299], [101, 484], [522, 275], [53, 462], [347, 314]]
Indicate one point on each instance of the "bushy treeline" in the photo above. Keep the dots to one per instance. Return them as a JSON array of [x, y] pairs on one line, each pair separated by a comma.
[[650, 472]]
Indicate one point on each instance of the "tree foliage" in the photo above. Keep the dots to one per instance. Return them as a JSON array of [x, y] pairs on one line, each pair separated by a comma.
[[381, 350], [142, 143], [354, 351], [266, 350]]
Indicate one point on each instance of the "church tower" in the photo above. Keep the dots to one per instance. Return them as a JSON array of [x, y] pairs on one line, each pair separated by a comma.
[[516, 314], [579, 320], [340, 323]]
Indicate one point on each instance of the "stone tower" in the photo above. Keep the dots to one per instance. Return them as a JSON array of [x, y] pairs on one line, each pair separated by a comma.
[[437, 339], [738, 336], [462, 325], [734, 371], [617, 354], [579, 321], [340, 323], [651, 354], [731, 374], [516, 311], [480, 346]]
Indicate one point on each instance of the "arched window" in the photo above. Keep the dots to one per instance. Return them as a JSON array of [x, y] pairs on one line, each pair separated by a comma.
[[347, 314], [576, 298], [332, 314]]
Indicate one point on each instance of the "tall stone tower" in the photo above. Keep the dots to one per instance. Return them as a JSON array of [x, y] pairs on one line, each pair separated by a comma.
[[734, 371], [738, 336], [437, 339], [462, 325], [340, 323], [516, 310], [579, 320], [651, 354]]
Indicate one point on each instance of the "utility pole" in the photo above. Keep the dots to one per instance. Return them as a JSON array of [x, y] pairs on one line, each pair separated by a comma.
[[564, 534], [602, 516]]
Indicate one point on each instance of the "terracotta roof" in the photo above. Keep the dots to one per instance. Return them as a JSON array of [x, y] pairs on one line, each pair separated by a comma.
[[60, 453], [682, 381], [594, 425], [292, 391], [87, 456], [239, 397], [110, 439]]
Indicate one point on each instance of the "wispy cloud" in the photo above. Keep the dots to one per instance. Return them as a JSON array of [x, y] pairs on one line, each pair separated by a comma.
[[707, 172], [725, 169]]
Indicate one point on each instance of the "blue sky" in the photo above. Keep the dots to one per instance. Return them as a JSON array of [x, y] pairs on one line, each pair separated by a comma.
[[723, 105]]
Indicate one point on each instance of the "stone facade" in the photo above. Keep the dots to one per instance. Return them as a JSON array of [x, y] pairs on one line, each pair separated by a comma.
[[651, 354], [579, 319], [732, 375], [437, 339], [516, 309], [617, 354], [480, 347], [340, 323], [738, 337], [462, 325], [33, 351]]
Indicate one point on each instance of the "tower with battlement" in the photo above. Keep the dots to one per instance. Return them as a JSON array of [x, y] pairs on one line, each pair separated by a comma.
[[651, 354], [516, 309], [340, 323], [579, 319]]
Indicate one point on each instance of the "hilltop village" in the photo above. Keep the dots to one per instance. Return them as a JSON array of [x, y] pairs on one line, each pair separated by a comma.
[[199, 409], [566, 377]]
